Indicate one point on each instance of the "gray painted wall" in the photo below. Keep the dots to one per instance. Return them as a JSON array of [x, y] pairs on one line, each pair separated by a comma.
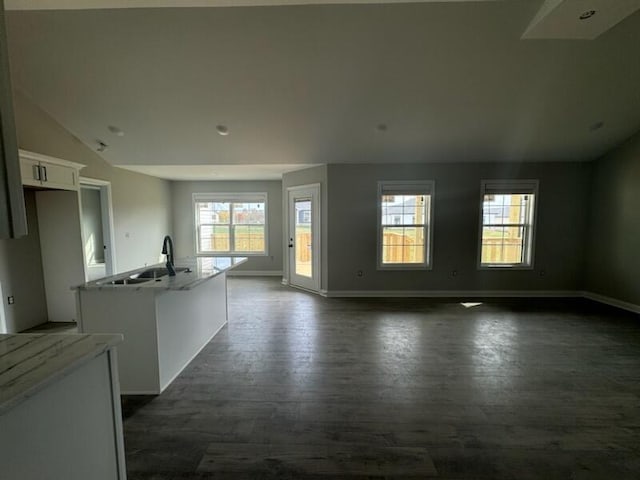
[[21, 275], [613, 260], [184, 217], [309, 176], [559, 243]]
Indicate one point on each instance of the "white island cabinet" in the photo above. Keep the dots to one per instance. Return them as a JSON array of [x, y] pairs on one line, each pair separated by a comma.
[[166, 320], [60, 412]]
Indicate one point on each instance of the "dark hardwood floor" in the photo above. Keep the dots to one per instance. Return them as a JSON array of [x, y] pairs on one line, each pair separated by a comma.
[[301, 387]]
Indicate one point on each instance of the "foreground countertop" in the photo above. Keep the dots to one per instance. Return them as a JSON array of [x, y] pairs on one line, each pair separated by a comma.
[[199, 270], [31, 361]]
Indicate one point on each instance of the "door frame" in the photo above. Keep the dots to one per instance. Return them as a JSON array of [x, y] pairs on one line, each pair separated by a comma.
[[108, 230], [316, 222]]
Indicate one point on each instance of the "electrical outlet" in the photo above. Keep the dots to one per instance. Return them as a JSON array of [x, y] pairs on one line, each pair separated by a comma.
[[11, 300], [360, 273]]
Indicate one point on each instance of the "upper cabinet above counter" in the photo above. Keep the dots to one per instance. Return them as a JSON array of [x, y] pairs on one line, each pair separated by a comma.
[[42, 171]]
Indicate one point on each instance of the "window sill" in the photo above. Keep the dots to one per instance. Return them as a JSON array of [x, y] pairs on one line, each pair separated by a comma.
[[232, 254], [505, 267], [404, 266]]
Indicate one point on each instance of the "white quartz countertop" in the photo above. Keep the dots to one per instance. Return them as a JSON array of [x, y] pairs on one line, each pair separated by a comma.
[[191, 272], [31, 361]]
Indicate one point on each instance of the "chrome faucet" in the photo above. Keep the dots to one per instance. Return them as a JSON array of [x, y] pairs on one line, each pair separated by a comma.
[[169, 253]]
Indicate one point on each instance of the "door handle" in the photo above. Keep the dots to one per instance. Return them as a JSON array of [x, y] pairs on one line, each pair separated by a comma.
[[291, 243], [36, 172], [44, 169]]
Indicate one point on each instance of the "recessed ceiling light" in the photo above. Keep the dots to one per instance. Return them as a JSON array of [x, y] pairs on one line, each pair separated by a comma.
[[596, 126], [587, 14], [115, 130], [222, 130], [382, 127]]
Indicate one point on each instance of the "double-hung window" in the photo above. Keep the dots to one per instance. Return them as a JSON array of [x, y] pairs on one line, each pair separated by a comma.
[[405, 211], [507, 222], [230, 223]]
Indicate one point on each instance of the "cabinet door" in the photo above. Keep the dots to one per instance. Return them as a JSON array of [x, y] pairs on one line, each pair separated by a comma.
[[58, 176], [29, 170]]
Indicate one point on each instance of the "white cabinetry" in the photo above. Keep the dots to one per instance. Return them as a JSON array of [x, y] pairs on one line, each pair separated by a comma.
[[47, 172], [57, 195], [164, 329], [60, 414]]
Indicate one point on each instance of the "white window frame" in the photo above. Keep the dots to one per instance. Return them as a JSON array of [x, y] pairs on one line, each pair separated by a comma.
[[506, 187], [232, 197], [408, 187]]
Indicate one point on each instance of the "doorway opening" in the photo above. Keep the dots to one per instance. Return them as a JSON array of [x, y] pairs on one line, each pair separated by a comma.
[[98, 242]]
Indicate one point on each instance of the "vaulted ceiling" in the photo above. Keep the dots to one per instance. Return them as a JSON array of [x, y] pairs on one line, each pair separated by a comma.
[[308, 84]]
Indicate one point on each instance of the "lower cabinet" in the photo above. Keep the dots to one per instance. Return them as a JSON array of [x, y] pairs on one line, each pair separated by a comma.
[[69, 426]]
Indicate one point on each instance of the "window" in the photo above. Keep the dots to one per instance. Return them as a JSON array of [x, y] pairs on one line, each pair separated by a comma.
[[230, 223], [404, 224], [507, 223]]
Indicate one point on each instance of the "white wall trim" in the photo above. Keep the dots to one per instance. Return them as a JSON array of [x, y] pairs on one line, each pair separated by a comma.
[[631, 307], [455, 293], [254, 273], [614, 302]]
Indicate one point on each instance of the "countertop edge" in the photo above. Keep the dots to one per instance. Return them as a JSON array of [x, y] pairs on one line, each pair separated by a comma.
[[93, 285], [108, 342]]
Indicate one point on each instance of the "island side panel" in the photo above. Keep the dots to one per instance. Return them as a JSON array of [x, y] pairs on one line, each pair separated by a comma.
[[70, 433], [131, 313], [187, 321]]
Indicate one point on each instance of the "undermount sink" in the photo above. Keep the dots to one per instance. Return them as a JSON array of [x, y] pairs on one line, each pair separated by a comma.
[[128, 281], [143, 277], [157, 272]]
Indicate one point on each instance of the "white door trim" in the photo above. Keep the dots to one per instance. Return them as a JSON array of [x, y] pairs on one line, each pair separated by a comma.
[[314, 191], [107, 222]]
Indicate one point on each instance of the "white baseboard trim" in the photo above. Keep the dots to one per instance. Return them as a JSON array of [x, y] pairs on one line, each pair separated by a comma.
[[614, 302], [254, 273], [453, 293], [631, 307]]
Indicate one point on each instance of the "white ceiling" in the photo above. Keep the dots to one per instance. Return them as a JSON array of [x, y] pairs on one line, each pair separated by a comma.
[[305, 85], [216, 172], [102, 4], [578, 19]]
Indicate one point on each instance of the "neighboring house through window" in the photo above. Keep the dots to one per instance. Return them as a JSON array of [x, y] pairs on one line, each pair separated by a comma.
[[507, 221], [230, 223], [404, 224]]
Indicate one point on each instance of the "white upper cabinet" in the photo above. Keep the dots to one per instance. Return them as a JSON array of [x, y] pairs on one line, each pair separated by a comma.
[[39, 170]]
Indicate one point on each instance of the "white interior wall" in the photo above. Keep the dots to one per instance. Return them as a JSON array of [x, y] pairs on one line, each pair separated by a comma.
[[141, 207]]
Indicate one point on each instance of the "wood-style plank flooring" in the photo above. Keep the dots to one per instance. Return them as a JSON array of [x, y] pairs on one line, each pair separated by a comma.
[[302, 387]]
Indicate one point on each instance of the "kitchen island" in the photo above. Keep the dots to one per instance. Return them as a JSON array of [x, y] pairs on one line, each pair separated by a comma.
[[60, 412], [166, 320]]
